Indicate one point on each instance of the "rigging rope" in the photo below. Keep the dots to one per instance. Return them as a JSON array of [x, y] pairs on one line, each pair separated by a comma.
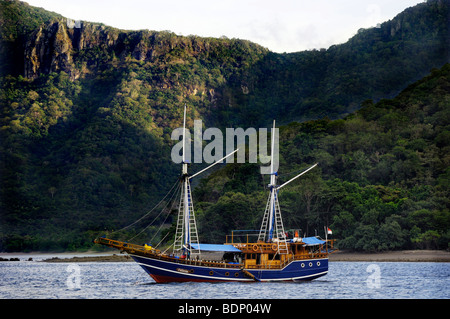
[[170, 200], [148, 213], [167, 216]]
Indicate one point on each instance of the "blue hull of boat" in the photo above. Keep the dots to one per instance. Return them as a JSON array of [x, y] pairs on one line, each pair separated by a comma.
[[168, 271]]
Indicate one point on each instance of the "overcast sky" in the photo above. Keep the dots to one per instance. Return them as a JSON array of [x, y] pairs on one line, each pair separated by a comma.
[[279, 25]]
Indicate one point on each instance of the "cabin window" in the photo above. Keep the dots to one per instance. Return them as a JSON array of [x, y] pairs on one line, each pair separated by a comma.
[[274, 257], [250, 256], [254, 256]]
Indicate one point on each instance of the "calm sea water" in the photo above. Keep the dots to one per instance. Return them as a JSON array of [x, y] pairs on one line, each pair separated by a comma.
[[101, 280]]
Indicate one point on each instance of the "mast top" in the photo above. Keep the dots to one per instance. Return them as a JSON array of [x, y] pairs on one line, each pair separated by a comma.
[[184, 134], [272, 173]]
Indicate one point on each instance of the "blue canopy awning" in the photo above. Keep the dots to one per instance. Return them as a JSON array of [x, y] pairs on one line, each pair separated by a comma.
[[310, 241], [211, 247]]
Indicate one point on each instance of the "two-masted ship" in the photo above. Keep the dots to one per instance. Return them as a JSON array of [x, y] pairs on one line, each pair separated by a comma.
[[271, 256]]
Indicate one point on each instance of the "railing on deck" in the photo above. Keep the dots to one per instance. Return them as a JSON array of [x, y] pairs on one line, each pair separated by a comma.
[[260, 247], [156, 254]]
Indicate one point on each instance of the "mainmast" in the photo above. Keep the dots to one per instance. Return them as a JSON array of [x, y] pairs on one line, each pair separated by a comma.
[[275, 221], [272, 228]]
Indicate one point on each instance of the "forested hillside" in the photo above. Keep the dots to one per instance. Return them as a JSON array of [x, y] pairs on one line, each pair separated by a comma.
[[87, 111], [382, 182]]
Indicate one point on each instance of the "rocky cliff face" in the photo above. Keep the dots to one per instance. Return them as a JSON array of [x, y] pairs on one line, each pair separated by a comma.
[[52, 47], [65, 45], [232, 74], [48, 49]]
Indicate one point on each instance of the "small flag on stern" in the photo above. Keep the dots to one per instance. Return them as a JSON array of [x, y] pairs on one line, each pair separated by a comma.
[[329, 231]]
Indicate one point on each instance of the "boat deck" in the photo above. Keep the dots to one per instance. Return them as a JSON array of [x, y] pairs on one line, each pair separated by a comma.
[[256, 255]]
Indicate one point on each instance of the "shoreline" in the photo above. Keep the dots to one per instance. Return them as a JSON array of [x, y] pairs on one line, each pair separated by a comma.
[[393, 256], [390, 256], [103, 258], [66, 257]]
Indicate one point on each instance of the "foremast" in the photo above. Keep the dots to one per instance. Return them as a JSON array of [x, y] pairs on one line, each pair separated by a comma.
[[186, 236], [186, 241]]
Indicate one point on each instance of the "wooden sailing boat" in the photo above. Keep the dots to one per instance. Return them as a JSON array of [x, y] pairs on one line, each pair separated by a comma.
[[272, 257]]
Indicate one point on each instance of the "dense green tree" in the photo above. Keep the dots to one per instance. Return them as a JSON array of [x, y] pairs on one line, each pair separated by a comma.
[[86, 116], [375, 195]]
